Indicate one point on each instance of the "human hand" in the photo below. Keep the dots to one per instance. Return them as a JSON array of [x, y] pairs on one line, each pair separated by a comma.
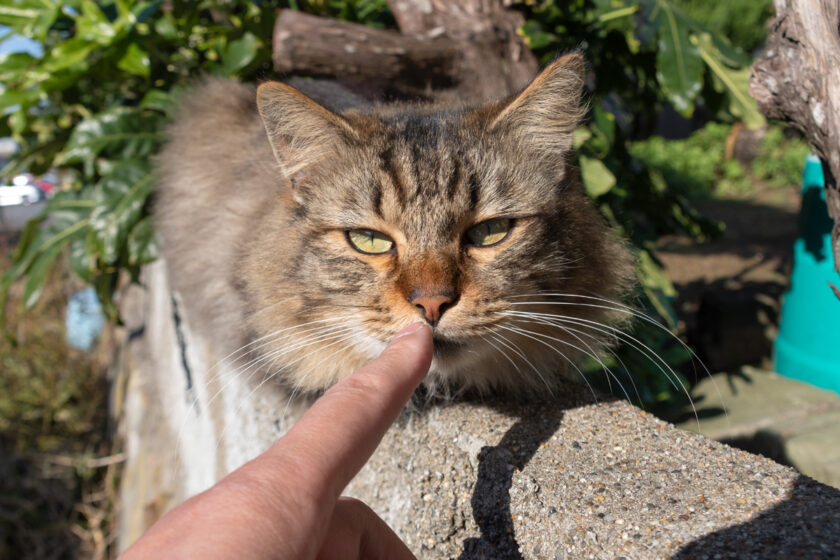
[[286, 503]]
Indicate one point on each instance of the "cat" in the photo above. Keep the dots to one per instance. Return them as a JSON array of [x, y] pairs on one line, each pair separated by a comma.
[[309, 226]]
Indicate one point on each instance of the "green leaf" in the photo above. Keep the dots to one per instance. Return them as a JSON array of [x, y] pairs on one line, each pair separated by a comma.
[[62, 228], [238, 54], [731, 55], [69, 53], [165, 27], [81, 262], [119, 199], [142, 244], [734, 82], [121, 133], [93, 26], [679, 65], [30, 18], [597, 178], [657, 286], [157, 100], [37, 273], [604, 123], [580, 136], [105, 285], [17, 98], [534, 35], [14, 65], [135, 61]]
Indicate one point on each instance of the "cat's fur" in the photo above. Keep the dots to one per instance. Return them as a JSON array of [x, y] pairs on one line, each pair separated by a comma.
[[258, 189]]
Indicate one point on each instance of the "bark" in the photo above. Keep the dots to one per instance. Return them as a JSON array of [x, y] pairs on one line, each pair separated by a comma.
[[797, 80], [469, 48]]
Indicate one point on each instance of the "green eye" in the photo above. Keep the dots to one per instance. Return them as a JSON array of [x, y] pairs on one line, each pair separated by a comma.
[[489, 232], [369, 241]]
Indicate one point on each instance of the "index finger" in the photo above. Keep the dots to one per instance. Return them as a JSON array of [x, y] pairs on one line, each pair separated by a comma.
[[340, 432]]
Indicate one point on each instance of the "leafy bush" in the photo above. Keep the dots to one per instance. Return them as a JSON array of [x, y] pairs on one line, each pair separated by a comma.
[[741, 21], [781, 160], [696, 166], [95, 104]]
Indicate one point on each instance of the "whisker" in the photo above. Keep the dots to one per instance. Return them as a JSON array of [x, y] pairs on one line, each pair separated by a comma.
[[500, 351], [609, 374], [526, 334], [627, 338]]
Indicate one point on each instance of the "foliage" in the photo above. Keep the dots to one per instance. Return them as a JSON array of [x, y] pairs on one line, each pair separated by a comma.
[[646, 55], [54, 500], [697, 167], [741, 21], [95, 105]]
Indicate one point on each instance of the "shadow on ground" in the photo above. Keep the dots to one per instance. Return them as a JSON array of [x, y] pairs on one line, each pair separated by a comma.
[[801, 526]]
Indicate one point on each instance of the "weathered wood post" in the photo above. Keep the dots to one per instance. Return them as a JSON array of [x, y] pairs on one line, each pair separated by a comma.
[[797, 80]]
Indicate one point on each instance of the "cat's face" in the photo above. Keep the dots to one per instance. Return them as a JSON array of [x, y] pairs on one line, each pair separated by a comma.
[[463, 219]]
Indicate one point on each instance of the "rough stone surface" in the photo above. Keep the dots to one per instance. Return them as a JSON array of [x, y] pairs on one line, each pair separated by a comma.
[[562, 479], [790, 421]]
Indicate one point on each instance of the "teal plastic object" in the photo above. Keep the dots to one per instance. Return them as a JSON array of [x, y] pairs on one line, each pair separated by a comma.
[[808, 345]]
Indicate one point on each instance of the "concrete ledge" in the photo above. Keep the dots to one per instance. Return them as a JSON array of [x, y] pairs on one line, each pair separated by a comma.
[[790, 421], [561, 479]]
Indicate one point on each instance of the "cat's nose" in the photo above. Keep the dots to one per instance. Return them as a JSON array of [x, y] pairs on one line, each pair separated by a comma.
[[432, 307]]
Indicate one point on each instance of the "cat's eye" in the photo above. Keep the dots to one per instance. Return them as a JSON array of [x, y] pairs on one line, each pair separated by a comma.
[[489, 232], [370, 241]]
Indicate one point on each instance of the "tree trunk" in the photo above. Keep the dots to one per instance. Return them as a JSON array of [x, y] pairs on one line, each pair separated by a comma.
[[470, 49], [797, 80]]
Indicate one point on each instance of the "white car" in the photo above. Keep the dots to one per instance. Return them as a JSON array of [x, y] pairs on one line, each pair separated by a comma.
[[19, 202]]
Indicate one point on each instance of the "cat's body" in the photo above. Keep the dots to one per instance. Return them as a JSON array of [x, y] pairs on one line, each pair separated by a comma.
[[317, 234]]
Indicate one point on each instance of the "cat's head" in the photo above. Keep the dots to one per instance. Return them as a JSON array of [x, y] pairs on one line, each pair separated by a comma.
[[470, 219]]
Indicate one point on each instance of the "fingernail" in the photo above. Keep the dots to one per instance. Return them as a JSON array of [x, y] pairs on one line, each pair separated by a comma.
[[408, 330]]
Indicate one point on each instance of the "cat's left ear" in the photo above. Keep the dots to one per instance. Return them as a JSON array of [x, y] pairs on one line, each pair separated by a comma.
[[543, 117]]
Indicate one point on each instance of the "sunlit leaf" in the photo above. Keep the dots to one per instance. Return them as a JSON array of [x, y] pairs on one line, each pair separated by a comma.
[[135, 61], [120, 133], [679, 65], [13, 65], [534, 35], [142, 245], [657, 286], [70, 53], [37, 273], [239, 54], [597, 178], [119, 198], [734, 82]]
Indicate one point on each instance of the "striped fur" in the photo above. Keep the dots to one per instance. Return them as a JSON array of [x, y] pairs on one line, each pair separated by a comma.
[[254, 214]]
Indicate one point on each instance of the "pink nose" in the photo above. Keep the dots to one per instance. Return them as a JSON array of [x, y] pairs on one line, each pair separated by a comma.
[[432, 307]]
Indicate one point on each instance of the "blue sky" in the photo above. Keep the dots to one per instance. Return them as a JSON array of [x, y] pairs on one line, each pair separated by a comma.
[[16, 43]]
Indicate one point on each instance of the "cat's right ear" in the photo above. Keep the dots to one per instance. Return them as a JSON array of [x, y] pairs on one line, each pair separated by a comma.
[[301, 132]]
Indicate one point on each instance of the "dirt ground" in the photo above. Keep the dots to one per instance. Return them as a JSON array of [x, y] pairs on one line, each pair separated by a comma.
[[730, 288]]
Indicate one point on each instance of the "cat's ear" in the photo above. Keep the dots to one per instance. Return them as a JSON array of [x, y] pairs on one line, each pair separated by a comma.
[[301, 132], [543, 117]]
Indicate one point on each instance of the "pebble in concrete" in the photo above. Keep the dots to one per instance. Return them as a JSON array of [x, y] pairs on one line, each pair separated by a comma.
[[566, 480]]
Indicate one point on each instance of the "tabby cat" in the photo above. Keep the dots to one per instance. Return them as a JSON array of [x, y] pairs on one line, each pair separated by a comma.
[[315, 230]]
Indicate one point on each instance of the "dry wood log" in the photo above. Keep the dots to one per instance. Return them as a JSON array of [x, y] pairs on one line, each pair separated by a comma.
[[470, 48], [797, 80], [495, 58], [323, 47]]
